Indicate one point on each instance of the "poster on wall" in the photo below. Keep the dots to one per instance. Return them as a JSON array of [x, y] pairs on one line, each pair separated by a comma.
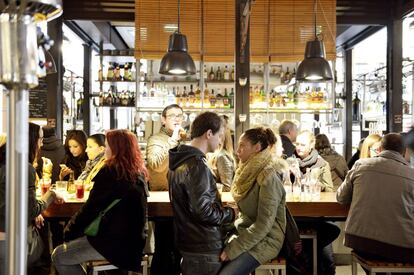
[[38, 100]]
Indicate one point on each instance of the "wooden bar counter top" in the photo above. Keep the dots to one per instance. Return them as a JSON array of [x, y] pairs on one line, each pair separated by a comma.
[[159, 206]]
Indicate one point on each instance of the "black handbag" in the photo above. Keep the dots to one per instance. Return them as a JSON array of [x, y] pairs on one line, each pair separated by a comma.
[[35, 245]]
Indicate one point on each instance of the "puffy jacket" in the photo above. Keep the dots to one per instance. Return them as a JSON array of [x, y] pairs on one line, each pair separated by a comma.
[[198, 211]]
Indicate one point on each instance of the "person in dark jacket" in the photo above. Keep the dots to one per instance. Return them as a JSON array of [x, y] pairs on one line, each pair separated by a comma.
[[288, 132], [197, 207], [76, 157], [52, 149], [122, 233]]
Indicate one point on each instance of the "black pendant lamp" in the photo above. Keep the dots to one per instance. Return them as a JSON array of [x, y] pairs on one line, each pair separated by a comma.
[[177, 61], [314, 68]]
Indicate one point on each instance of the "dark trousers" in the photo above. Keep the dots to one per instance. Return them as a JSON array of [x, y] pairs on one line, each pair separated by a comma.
[[327, 232], [166, 259]]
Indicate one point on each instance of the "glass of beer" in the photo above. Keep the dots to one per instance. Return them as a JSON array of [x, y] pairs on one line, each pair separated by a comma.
[[45, 185], [80, 189]]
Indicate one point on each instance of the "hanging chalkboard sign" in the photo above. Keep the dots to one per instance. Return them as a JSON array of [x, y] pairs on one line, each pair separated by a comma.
[[38, 100]]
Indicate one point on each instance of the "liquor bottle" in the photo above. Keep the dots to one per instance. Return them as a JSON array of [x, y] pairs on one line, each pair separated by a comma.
[[133, 72], [152, 91], [211, 75], [226, 100], [226, 73], [356, 110], [286, 79], [197, 97], [79, 107], [178, 96], [219, 75], [110, 72], [231, 98], [219, 98], [191, 97], [232, 73], [100, 74], [71, 183], [117, 73], [184, 98], [212, 99], [109, 98], [127, 73], [132, 99], [205, 73], [145, 90], [251, 95], [406, 108], [101, 98], [206, 97]]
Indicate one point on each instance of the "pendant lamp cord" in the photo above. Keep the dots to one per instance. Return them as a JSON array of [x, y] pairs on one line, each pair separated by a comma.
[[314, 17], [178, 16]]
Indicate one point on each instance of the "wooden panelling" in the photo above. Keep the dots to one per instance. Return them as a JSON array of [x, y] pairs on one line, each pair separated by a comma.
[[279, 29]]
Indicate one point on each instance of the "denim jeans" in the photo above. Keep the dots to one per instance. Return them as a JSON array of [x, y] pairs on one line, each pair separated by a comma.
[[200, 263], [242, 265], [68, 257]]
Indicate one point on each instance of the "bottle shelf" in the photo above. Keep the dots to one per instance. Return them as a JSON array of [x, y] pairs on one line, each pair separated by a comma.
[[116, 81], [116, 106]]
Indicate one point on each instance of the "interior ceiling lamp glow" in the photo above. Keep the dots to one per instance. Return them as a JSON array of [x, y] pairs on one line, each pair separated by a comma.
[[177, 61], [314, 68]]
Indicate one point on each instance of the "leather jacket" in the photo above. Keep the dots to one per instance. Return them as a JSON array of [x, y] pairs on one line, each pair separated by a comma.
[[197, 207]]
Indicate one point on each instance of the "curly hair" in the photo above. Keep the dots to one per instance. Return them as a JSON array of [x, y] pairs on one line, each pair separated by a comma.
[[126, 156]]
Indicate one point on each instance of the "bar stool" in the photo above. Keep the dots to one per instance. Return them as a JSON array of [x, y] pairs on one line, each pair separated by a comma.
[[102, 265], [373, 266], [276, 266], [312, 234]]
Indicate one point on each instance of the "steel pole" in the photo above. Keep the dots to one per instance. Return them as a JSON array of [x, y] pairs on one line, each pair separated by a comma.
[[17, 181]]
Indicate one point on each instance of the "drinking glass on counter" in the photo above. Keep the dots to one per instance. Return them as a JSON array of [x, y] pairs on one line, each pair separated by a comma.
[[80, 189], [45, 185], [61, 187]]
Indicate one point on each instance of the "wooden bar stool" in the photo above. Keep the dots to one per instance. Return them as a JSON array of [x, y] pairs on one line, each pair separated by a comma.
[[276, 266], [312, 234], [374, 266], [102, 265]]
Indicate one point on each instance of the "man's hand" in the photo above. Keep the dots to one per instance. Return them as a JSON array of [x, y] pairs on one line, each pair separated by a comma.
[[176, 133], [39, 221], [224, 257]]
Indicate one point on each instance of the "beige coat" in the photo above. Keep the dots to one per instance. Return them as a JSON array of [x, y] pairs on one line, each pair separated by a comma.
[[262, 218], [157, 159], [381, 193]]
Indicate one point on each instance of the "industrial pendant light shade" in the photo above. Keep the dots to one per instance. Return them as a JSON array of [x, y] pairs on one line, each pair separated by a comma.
[[177, 61], [314, 68]]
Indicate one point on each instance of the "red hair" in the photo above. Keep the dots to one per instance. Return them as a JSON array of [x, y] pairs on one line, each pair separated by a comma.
[[126, 157]]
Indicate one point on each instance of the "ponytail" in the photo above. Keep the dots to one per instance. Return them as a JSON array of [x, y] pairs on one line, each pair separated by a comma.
[[264, 136]]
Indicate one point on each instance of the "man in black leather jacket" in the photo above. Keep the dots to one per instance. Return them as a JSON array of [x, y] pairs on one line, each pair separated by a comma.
[[197, 207]]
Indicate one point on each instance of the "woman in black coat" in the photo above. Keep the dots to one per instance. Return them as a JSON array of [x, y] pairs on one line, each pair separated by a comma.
[[121, 236]]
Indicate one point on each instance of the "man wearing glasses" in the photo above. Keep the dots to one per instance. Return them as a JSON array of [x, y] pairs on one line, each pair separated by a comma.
[[166, 258]]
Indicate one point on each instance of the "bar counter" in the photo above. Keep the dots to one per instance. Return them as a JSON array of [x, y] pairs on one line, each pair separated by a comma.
[[159, 206]]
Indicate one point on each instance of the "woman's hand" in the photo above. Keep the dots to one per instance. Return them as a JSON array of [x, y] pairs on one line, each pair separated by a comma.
[[224, 257], [64, 171], [39, 221], [58, 198]]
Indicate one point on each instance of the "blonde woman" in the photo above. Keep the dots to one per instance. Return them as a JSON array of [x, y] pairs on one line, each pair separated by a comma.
[[370, 147], [222, 161]]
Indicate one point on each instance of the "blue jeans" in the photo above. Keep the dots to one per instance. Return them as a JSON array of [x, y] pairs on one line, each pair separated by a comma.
[[242, 265], [200, 263], [68, 257]]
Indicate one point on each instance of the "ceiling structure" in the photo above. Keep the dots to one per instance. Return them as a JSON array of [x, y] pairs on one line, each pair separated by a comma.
[[112, 21]]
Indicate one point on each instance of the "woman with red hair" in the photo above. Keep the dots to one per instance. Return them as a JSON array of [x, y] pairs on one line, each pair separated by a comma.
[[121, 235]]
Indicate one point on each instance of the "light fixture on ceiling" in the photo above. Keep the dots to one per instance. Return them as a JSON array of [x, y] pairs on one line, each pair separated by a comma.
[[177, 61], [314, 68]]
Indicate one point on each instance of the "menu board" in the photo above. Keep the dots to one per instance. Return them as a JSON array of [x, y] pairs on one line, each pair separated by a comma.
[[38, 100]]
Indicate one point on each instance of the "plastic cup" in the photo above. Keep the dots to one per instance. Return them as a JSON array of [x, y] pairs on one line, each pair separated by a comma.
[[61, 187], [80, 189], [45, 185]]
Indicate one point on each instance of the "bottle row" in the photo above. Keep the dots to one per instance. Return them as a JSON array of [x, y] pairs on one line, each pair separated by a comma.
[[125, 98], [117, 72], [187, 97]]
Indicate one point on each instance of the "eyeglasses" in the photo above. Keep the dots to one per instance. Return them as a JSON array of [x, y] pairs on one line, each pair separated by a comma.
[[374, 150], [175, 116]]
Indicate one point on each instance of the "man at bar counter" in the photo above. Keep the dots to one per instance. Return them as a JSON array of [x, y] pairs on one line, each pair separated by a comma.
[[288, 132], [197, 207], [166, 258], [381, 193]]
